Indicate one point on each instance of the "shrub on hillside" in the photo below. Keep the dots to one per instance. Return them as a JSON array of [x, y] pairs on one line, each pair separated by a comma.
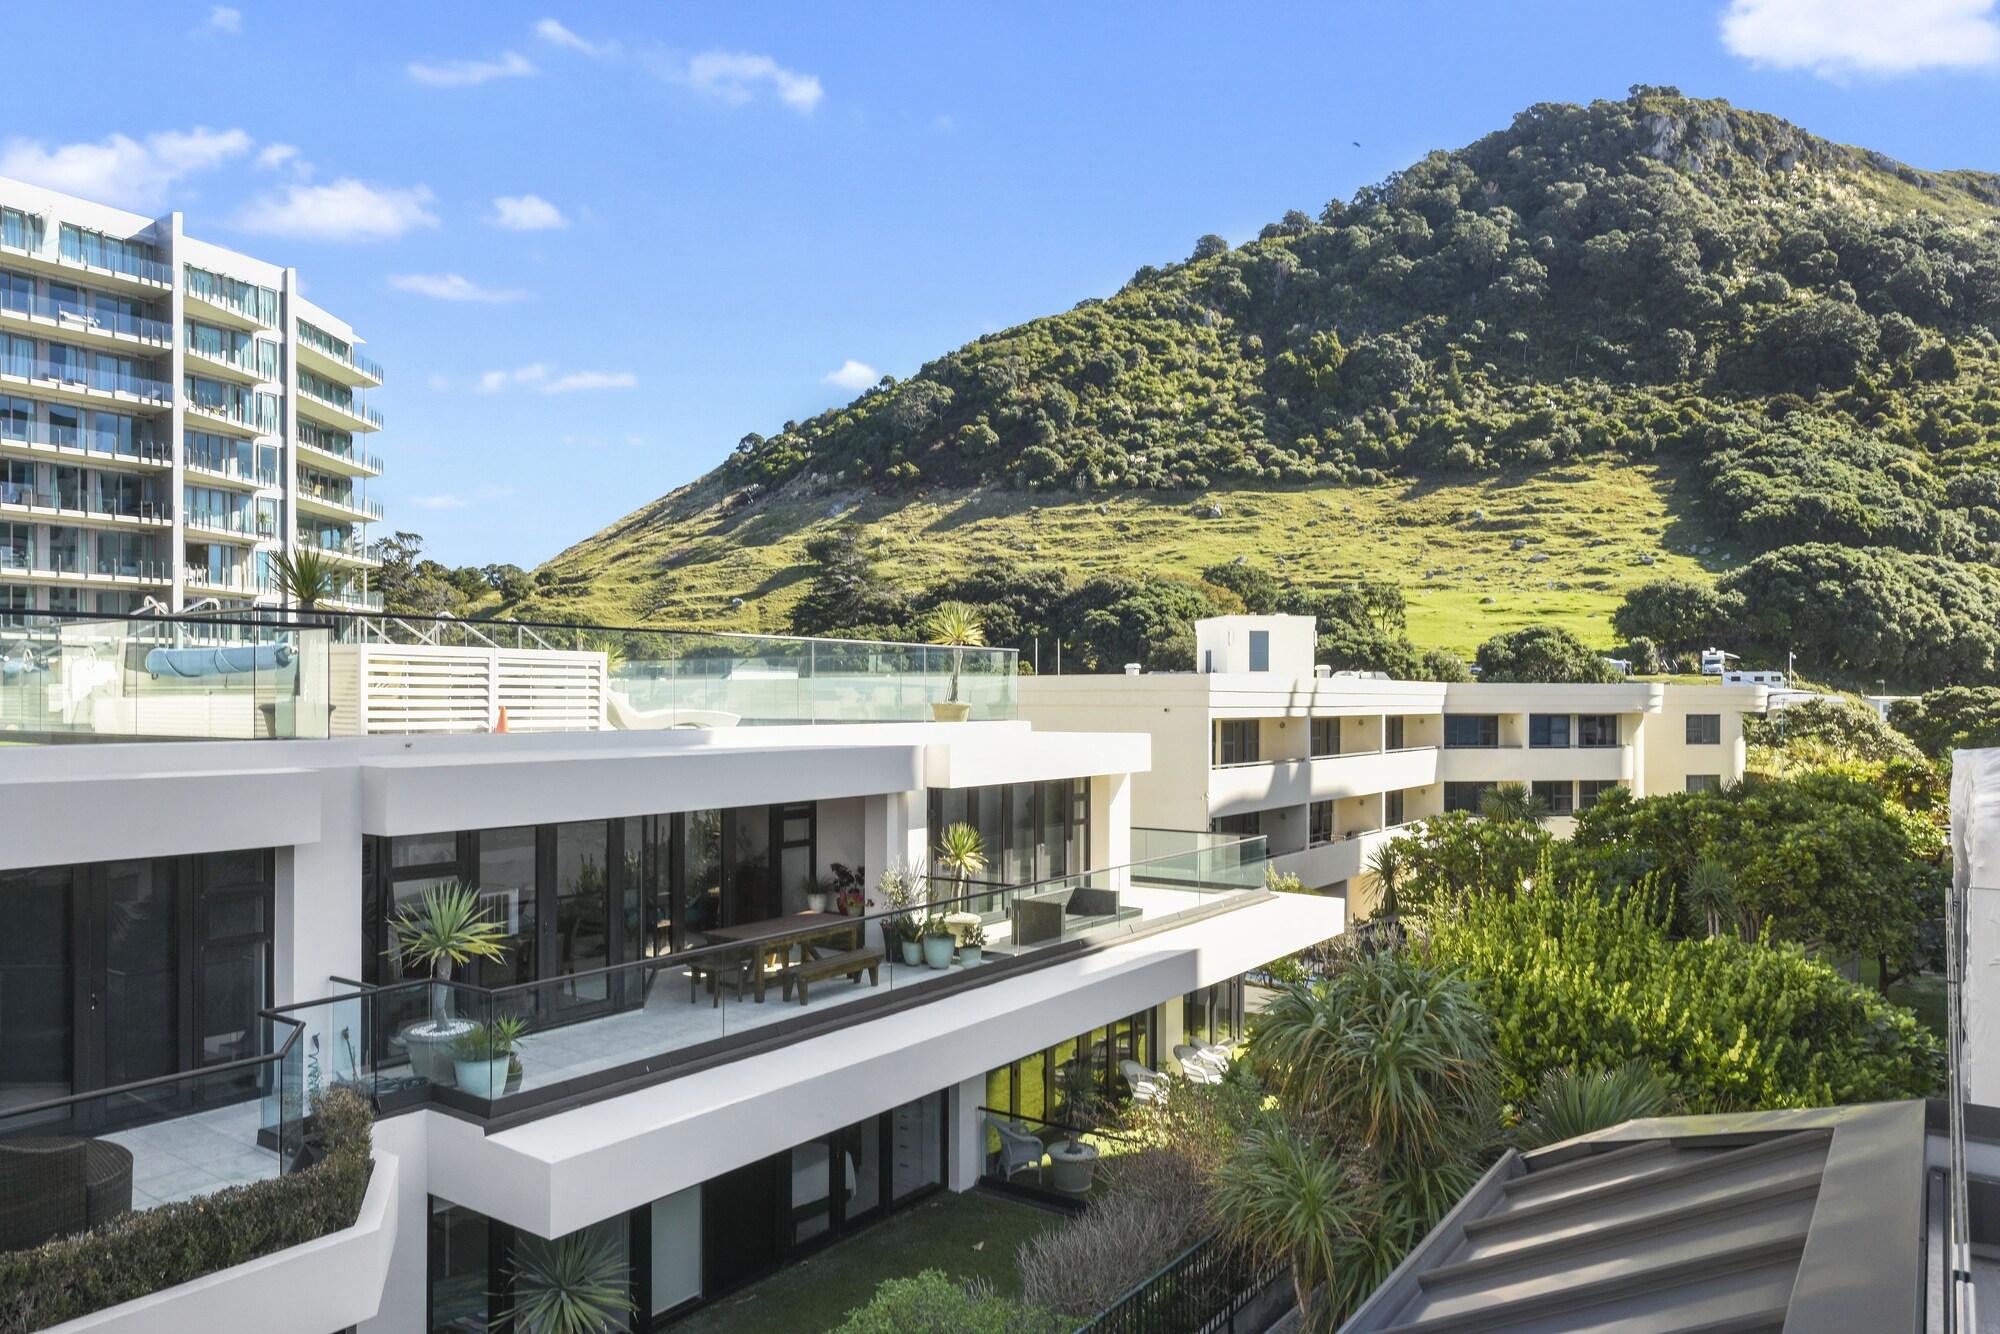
[[1543, 653], [1956, 718], [1841, 727]]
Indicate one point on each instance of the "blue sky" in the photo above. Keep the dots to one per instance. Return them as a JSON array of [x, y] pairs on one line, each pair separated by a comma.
[[595, 245]]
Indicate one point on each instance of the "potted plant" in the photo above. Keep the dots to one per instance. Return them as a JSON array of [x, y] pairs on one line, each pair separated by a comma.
[[816, 894], [938, 941], [850, 888], [1072, 1163], [899, 889], [447, 926], [956, 626], [482, 1057], [971, 944], [578, 1284], [961, 851]]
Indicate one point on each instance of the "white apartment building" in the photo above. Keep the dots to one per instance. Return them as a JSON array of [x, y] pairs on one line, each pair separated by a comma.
[[1327, 767], [172, 414], [197, 934]]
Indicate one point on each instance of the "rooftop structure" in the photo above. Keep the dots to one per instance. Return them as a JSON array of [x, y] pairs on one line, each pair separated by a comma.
[[172, 414]]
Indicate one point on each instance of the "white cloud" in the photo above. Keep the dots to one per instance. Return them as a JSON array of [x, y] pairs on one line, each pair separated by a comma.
[[135, 173], [855, 375], [223, 19], [527, 213], [586, 381], [555, 34], [470, 73], [737, 77], [535, 375], [273, 156], [452, 287], [1839, 38], [345, 210], [438, 383]]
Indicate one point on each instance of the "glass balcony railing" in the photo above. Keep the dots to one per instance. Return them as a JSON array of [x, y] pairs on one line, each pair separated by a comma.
[[158, 679], [232, 468], [341, 449], [102, 379], [350, 407], [105, 444], [242, 523], [72, 315], [109, 255], [346, 500], [69, 502], [254, 303], [754, 983], [338, 349], [338, 545]]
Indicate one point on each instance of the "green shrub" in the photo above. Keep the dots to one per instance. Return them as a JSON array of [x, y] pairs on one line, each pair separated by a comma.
[[930, 1303], [1591, 981], [142, 1253]]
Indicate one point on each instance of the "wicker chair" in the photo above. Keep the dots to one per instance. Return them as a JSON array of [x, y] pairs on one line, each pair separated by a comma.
[[52, 1187]]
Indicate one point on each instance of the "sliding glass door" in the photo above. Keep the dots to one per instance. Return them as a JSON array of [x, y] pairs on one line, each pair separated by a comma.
[[37, 1042]]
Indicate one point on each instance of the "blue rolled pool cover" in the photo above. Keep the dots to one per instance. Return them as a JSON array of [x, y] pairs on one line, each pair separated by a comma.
[[244, 659]]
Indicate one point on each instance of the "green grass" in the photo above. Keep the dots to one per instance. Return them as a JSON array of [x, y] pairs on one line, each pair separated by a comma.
[[1450, 546], [974, 1235], [1923, 994]]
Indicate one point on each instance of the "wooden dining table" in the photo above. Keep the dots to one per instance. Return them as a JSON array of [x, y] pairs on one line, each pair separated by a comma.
[[773, 938]]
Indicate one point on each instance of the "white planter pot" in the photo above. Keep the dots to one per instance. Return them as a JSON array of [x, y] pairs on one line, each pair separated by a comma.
[[1071, 1167], [482, 1079], [970, 955], [429, 1046], [937, 951], [913, 952], [816, 902]]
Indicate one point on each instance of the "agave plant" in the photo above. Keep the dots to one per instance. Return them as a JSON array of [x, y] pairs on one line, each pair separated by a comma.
[[578, 1284], [957, 626], [1571, 1103], [307, 576], [446, 927]]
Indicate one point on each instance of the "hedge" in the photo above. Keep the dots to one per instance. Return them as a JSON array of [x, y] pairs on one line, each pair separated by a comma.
[[142, 1253], [1589, 981]]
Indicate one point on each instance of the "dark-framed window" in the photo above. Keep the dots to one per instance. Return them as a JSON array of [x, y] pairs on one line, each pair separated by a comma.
[[1463, 731], [1597, 730], [1557, 797], [1464, 796], [1032, 831], [1392, 808], [1588, 790], [1260, 650], [1392, 732], [1249, 824], [1548, 730], [1321, 822], [1704, 729], [1326, 736], [1236, 741], [1704, 782]]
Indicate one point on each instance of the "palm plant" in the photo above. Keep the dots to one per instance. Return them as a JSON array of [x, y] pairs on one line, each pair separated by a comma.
[[1514, 802], [578, 1284], [446, 927], [961, 851], [306, 575], [1285, 1196], [1571, 1102], [956, 625], [1387, 863], [1711, 893]]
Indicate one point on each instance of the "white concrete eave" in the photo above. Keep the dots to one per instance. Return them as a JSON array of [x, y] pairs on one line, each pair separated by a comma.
[[162, 812], [573, 1168], [1027, 756]]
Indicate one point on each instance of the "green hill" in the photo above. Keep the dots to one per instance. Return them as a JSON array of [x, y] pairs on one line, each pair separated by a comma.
[[1608, 343]]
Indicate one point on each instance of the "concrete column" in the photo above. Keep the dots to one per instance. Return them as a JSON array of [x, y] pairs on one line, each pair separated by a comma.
[[1111, 827], [893, 830], [406, 1291], [316, 929], [968, 1132]]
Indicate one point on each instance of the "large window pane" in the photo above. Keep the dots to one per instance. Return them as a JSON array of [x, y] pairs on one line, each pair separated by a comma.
[[918, 1146], [676, 1249], [507, 890], [701, 870], [583, 907], [459, 1269], [140, 1019], [35, 1035]]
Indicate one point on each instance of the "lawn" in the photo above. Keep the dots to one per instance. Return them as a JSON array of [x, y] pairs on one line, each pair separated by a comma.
[[1473, 557], [974, 1235]]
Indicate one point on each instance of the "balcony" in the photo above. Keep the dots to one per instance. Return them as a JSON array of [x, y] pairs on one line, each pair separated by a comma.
[[112, 330], [1237, 789], [1526, 764], [48, 443], [229, 301], [348, 416], [349, 549], [33, 563], [70, 507], [349, 462], [336, 358], [241, 527], [333, 504], [240, 367], [232, 472], [91, 385]]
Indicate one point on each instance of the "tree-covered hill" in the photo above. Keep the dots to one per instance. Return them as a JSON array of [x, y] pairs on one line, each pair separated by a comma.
[[1785, 339]]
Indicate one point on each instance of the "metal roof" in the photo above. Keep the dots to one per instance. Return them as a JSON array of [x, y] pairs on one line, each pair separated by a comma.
[[1800, 1222]]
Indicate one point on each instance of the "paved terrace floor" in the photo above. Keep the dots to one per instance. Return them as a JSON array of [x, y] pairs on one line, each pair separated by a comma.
[[196, 1155]]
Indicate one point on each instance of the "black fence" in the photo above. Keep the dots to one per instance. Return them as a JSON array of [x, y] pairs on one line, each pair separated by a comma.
[[1201, 1291]]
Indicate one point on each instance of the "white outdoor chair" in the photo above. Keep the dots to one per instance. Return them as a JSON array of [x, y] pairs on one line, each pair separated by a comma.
[[1147, 1085], [1217, 1054], [1197, 1065], [1019, 1150]]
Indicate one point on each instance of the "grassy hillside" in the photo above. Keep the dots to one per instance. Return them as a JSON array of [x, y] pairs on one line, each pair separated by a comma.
[[1587, 531], [1654, 336]]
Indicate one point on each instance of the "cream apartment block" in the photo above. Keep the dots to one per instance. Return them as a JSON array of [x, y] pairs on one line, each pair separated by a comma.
[[172, 415], [1328, 766]]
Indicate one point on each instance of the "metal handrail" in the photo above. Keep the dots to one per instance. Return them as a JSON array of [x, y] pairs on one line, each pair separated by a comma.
[[162, 1081]]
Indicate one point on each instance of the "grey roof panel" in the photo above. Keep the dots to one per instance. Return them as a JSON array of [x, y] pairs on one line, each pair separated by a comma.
[[1776, 1221]]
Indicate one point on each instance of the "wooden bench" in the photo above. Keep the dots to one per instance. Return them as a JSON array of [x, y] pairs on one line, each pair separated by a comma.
[[849, 963], [733, 968]]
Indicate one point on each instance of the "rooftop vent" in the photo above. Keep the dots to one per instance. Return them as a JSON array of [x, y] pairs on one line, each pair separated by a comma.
[[1323, 670], [1131, 669]]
